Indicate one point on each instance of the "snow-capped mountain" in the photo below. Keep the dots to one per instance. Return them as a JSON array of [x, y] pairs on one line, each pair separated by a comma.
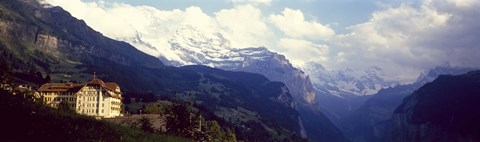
[[190, 46], [344, 82]]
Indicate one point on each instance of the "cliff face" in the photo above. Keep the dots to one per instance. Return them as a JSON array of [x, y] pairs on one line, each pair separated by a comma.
[[54, 31], [43, 42], [443, 110], [278, 68]]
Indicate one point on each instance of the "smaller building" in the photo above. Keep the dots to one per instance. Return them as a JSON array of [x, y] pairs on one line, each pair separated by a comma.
[[94, 98]]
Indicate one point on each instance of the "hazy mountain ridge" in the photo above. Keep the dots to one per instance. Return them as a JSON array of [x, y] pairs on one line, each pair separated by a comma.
[[340, 93], [440, 110], [344, 83], [370, 121]]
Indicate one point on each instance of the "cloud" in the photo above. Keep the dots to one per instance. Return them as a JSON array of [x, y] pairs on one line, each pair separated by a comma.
[[254, 2], [245, 26], [407, 40], [403, 40], [293, 24], [301, 51], [93, 11]]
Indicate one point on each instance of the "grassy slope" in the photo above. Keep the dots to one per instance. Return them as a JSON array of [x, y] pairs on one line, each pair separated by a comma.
[[24, 120]]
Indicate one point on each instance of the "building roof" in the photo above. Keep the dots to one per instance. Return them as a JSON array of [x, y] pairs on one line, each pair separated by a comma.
[[96, 81], [61, 87], [112, 85], [75, 87]]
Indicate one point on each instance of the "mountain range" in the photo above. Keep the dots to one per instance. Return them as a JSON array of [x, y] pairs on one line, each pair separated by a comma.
[[370, 121], [191, 46], [442, 110], [257, 91], [335, 93], [48, 39]]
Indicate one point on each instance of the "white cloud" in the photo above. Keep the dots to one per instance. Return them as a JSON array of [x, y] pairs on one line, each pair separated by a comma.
[[107, 23], [300, 51], [293, 24], [265, 2], [245, 26], [405, 40]]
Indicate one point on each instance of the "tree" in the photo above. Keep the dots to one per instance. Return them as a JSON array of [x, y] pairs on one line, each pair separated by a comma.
[[38, 74], [180, 120], [47, 79], [154, 109], [214, 131], [145, 125], [200, 134], [5, 74], [65, 106], [230, 136]]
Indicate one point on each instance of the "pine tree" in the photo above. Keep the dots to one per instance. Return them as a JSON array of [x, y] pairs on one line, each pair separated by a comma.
[[47, 78], [230, 136], [5, 73], [214, 131]]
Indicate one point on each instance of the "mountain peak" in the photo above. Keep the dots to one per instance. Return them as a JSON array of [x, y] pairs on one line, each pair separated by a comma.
[[197, 39], [433, 73], [345, 82]]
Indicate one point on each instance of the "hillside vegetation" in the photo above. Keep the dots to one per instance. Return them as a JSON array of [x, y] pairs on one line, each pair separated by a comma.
[[26, 120]]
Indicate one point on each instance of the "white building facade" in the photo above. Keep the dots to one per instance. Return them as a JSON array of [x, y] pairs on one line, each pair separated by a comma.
[[94, 98]]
